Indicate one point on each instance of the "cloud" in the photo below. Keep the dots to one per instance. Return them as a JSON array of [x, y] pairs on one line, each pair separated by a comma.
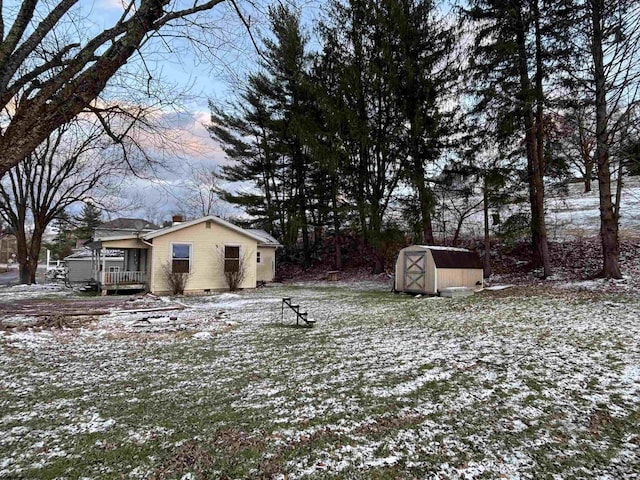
[[112, 4]]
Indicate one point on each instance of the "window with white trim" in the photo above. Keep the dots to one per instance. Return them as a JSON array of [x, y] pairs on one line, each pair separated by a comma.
[[113, 269], [258, 257], [180, 258]]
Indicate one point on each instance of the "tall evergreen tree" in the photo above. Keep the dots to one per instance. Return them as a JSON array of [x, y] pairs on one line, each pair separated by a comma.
[[276, 112], [510, 61], [425, 76]]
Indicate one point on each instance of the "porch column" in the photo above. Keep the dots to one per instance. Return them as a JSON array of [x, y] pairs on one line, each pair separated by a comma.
[[94, 265], [103, 252]]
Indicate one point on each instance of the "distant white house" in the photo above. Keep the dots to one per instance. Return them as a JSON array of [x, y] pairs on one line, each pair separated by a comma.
[[204, 247]]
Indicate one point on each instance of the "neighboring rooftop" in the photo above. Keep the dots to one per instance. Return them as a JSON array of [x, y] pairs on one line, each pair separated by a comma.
[[85, 252], [134, 224]]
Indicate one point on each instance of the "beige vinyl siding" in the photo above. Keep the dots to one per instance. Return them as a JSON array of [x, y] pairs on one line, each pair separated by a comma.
[[207, 246], [127, 243], [267, 267], [458, 277]]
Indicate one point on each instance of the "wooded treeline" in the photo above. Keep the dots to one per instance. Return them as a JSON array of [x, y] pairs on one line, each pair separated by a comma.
[[397, 104]]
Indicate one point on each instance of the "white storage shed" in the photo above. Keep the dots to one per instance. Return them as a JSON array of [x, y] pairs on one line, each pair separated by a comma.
[[430, 269]]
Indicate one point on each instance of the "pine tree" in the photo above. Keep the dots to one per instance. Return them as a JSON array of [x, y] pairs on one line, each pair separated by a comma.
[[510, 63], [425, 76], [88, 220], [275, 113]]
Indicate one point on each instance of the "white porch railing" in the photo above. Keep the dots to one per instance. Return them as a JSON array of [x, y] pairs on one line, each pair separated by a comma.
[[124, 278]]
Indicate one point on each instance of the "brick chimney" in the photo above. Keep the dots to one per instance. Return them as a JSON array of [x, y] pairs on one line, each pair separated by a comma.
[[176, 219]]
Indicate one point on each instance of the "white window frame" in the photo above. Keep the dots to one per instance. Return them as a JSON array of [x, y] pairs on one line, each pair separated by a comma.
[[190, 254], [258, 260], [114, 269]]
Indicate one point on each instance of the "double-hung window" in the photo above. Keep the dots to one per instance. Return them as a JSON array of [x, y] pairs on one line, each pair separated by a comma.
[[180, 258], [231, 258]]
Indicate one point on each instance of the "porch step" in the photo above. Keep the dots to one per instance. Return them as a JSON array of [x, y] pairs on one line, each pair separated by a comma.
[[304, 316]]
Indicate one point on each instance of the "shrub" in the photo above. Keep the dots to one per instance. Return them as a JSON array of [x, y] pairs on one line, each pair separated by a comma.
[[235, 266], [176, 281]]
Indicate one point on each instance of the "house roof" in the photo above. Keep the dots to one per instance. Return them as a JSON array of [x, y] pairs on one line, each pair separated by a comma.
[[210, 218], [135, 224], [267, 240]]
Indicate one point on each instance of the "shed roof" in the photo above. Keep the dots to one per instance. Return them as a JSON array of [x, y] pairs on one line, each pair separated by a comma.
[[455, 259]]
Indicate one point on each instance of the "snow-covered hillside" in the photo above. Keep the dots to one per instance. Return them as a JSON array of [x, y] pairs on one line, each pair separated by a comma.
[[570, 214], [577, 214]]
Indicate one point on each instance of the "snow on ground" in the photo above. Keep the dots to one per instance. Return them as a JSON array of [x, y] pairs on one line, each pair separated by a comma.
[[522, 383], [19, 292]]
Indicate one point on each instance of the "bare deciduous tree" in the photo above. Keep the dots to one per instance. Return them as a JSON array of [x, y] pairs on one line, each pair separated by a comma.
[[73, 165], [49, 75], [235, 264], [202, 188]]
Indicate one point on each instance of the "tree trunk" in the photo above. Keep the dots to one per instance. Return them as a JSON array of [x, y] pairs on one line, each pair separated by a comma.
[[608, 219], [587, 176], [424, 196], [539, 159], [336, 226], [533, 139], [487, 240]]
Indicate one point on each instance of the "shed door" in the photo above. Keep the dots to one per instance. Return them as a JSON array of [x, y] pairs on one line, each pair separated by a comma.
[[415, 268]]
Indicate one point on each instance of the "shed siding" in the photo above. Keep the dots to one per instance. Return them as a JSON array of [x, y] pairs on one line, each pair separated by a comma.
[[429, 281], [432, 276], [266, 269], [206, 265], [458, 277], [435, 279]]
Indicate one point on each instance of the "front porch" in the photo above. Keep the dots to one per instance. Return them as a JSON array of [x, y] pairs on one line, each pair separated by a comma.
[[122, 280], [133, 273]]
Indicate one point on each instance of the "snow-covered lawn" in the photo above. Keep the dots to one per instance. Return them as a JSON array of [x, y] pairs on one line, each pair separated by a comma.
[[527, 382]]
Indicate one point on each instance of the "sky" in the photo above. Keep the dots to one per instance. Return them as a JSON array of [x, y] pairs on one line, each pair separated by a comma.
[[194, 75]]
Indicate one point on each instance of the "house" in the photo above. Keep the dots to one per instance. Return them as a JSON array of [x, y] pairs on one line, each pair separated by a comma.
[[205, 248], [8, 247], [429, 269]]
